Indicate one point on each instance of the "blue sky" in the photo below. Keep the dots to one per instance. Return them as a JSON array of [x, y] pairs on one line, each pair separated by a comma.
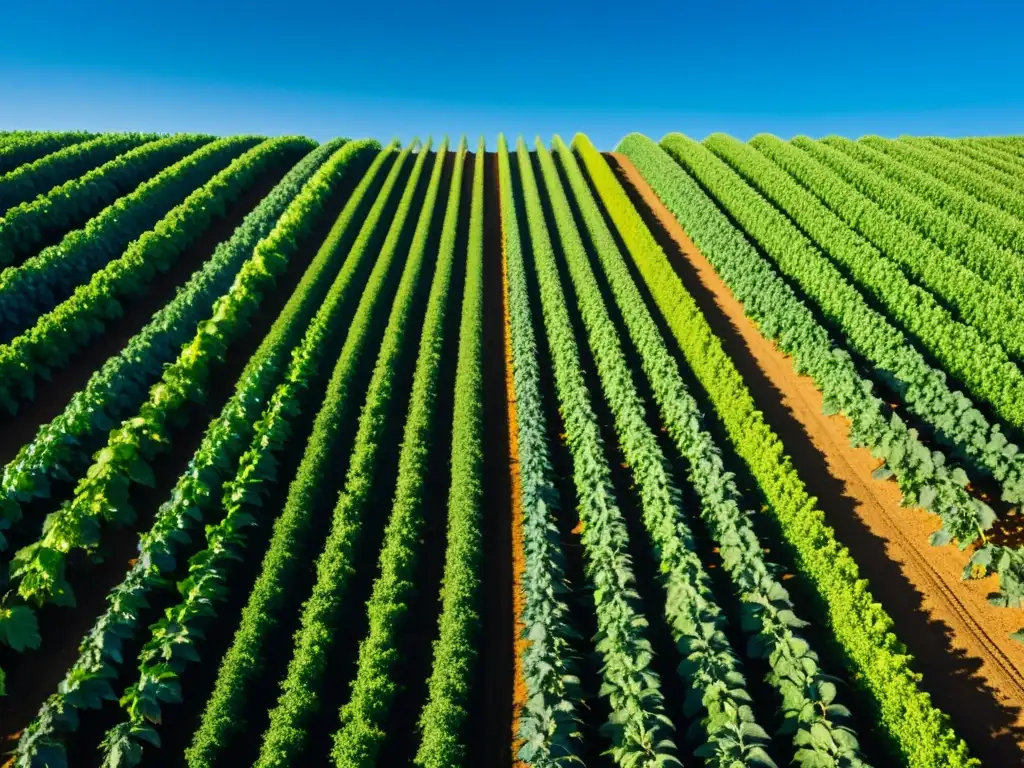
[[389, 69]]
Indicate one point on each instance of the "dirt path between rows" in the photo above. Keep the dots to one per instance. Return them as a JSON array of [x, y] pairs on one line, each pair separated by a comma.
[[960, 642]]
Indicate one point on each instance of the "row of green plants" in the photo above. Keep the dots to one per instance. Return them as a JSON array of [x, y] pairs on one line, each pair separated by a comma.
[[995, 150], [35, 178], [996, 314], [442, 722], [30, 225], [45, 280], [365, 714], [24, 147], [975, 250], [321, 617], [174, 638], [919, 734], [90, 681], [62, 332], [1006, 147], [993, 163], [292, 548], [102, 495], [923, 475], [728, 733], [957, 422], [549, 725], [813, 720], [638, 729], [61, 448], [979, 179], [891, 160]]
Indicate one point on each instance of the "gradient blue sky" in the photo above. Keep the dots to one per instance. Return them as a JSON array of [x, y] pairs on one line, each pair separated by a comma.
[[386, 69]]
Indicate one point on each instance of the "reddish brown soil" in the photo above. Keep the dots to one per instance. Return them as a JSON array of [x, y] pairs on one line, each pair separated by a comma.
[[520, 643], [960, 642]]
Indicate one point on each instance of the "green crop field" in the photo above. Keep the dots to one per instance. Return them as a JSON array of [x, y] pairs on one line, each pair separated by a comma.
[[698, 453]]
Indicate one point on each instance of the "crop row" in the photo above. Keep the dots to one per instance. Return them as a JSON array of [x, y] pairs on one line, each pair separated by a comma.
[[171, 646], [975, 250], [49, 277], [817, 724], [23, 148], [291, 546], [1003, 228], [960, 345], [39, 176], [897, 247], [993, 166], [27, 227], [1000, 156], [363, 718], [978, 180], [923, 475], [443, 720], [38, 570], [640, 732], [958, 423], [284, 223], [320, 619], [879, 663], [549, 723], [709, 665], [60, 333], [60, 448]]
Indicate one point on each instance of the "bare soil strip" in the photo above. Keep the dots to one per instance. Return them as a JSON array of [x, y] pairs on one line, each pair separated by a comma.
[[972, 669]]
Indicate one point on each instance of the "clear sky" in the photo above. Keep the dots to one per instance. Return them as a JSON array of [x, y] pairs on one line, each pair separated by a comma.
[[388, 69]]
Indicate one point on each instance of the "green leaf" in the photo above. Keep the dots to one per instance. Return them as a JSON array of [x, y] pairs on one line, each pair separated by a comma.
[[19, 628]]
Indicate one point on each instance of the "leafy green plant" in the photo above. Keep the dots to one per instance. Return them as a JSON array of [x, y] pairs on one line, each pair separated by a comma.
[[976, 179], [24, 147], [879, 664], [975, 250], [889, 159], [883, 254], [358, 740], [290, 546], [61, 332], [442, 721], [173, 638], [549, 724], [923, 476], [38, 570], [957, 422], [994, 165], [35, 178], [639, 730], [61, 448], [305, 193], [26, 227], [817, 725], [48, 278], [285, 735]]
